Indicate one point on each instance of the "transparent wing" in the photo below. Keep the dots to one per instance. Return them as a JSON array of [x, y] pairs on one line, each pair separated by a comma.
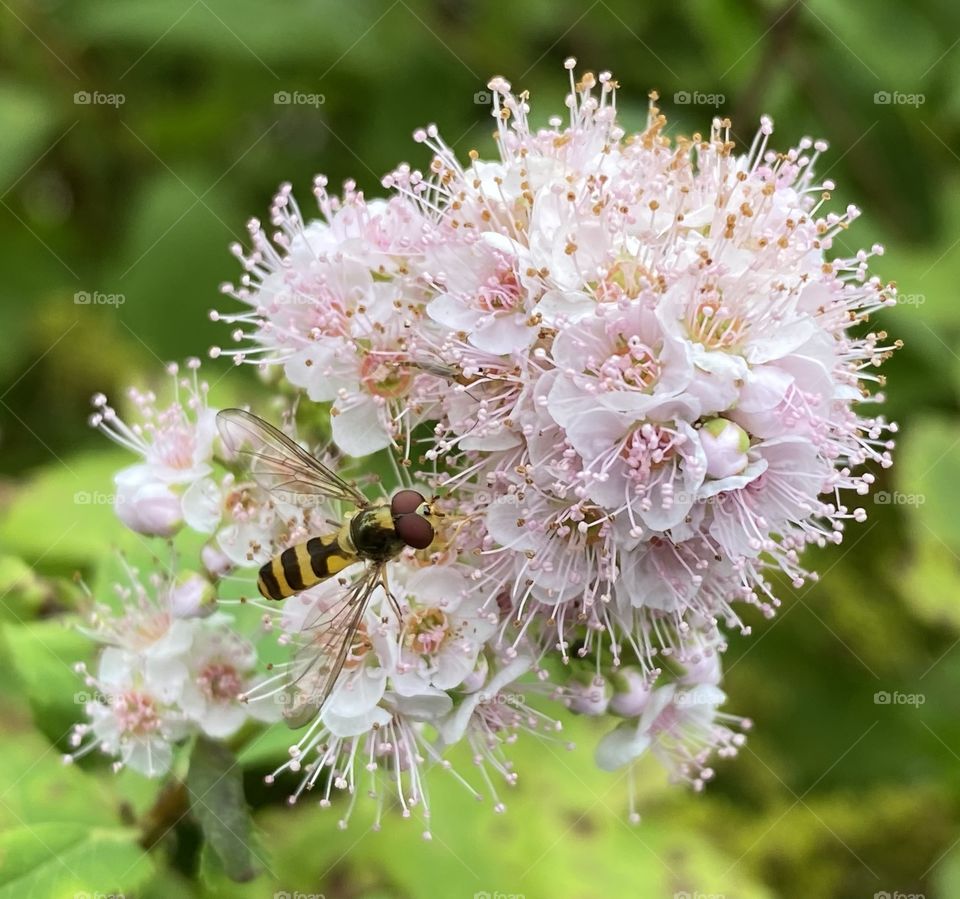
[[327, 638], [277, 464]]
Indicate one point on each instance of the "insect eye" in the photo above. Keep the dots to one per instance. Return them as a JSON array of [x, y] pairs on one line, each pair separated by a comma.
[[405, 502], [414, 530]]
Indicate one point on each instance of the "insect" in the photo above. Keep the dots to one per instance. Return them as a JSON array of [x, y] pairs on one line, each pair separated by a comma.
[[372, 533]]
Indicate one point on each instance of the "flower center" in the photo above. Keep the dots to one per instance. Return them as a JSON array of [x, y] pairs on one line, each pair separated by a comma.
[[241, 505], [220, 682], [136, 713], [626, 279], [362, 644], [633, 364], [173, 445], [428, 630], [501, 291], [148, 630], [647, 447], [385, 377], [712, 324]]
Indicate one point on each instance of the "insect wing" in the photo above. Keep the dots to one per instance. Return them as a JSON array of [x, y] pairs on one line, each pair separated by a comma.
[[327, 636], [278, 465]]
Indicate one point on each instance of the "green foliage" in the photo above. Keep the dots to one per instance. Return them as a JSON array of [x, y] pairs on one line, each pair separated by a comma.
[[57, 859], [42, 653], [217, 801], [63, 518]]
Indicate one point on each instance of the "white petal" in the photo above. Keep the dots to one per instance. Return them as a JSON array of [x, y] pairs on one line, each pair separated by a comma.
[[202, 505], [428, 706], [621, 746], [502, 334], [563, 307], [359, 429], [450, 312], [344, 726]]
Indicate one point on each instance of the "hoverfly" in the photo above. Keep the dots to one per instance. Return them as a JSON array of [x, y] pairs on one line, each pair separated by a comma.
[[372, 532]]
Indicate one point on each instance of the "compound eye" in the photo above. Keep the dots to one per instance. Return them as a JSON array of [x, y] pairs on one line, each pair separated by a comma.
[[405, 502], [414, 530]]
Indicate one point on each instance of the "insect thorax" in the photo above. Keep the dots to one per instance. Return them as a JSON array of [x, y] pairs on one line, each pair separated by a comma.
[[373, 534]]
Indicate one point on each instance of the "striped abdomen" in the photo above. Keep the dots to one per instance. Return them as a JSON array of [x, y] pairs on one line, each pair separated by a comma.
[[303, 566]]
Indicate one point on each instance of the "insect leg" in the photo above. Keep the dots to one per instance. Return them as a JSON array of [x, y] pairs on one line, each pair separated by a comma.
[[394, 602]]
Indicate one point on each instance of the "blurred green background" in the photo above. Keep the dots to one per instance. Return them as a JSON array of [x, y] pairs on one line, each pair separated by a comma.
[[138, 192]]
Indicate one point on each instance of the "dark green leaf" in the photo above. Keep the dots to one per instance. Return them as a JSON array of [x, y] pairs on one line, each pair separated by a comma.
[[217, 802], [55, 860]]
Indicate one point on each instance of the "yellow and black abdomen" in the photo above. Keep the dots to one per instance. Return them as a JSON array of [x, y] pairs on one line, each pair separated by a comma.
[[303, 566]]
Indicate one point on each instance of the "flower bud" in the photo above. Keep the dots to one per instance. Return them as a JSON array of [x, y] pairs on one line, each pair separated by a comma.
[[145, 505], [631, 690], [725, 445], [191, 596], [214, 561], [588, 694], [478, 677]]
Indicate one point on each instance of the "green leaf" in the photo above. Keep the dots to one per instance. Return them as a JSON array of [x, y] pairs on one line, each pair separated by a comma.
[[21, 591], [25, 120], [217, 801], [63, 516], [947, 876], [931, 582], [41, 788], [54, 860], [267, 749], [169, 883], [43, 654], [235, 32], [169, 260], [928, 480], [218, 885]]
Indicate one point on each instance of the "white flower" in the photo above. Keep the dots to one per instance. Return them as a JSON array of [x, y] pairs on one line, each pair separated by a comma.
[[443, 630], [129, 718], [220, 668], [681, 727], [176, 443], [481, 292]]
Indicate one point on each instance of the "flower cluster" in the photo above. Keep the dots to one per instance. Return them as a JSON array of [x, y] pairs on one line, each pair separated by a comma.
[[637, 378], [171, 666]]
